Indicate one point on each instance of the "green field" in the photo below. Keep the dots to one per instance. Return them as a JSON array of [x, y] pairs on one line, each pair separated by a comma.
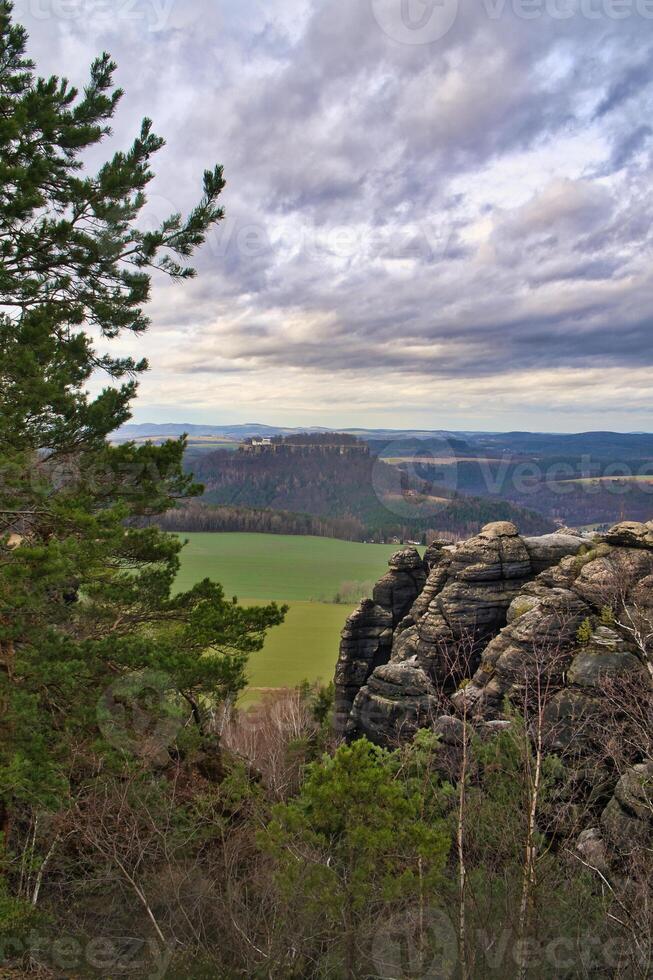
[[304, 648], [298, 570], [279, 566]]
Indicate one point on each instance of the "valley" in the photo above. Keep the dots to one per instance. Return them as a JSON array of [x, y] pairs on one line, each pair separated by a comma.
[[307, 573], [403, 485]]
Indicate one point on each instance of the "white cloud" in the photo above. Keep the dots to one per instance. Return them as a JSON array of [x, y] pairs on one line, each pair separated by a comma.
[[454, 234]]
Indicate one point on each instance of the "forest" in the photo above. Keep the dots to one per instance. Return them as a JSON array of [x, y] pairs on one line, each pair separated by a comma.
[[363, 491], [149, 826]]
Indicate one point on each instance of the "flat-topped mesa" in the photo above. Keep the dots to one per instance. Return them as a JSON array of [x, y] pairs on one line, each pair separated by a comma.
[[444, 609]]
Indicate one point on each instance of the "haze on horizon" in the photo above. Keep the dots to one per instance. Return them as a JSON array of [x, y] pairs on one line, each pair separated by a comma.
[[439, 223]]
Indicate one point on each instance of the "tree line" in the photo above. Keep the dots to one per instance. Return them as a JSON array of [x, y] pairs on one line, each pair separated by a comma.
[[195, 516], [459, 521]]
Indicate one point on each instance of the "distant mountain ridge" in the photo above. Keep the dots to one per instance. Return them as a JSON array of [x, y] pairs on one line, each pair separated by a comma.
[[142, 430], [577, 479], [618, 445]]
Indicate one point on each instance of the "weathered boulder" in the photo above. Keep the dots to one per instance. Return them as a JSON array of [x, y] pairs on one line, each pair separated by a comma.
[[549, 549], [607, 576], [627, 821], [590, 669], [398, 699], [591, 847], [366, 642], [631, 534]]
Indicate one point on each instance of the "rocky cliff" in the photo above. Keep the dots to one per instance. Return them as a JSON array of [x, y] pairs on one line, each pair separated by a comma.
[[501, 623]]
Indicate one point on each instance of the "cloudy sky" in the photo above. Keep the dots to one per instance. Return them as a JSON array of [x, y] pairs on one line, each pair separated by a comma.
[[438, 211]]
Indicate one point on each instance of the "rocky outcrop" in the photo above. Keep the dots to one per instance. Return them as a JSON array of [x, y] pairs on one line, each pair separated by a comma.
[[444, 610], [549, 549], [625, 831], [366, 640], [631, 534], [502, 620], [366, 643], [543, 640], [399, 587], [398, 699], [627, 821], [465, 602]]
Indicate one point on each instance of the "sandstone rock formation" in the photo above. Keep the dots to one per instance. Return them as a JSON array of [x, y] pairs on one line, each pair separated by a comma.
[[444, 609], [501, 619], [398, 697], [610, 582], [366, 644], [367, 636], [627, 821]]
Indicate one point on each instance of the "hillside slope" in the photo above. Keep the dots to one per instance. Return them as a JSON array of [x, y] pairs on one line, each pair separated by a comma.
[[360, 487]]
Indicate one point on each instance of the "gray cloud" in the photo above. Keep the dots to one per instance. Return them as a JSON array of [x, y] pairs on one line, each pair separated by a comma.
[[400, 217], [630, 83], [626, 148]]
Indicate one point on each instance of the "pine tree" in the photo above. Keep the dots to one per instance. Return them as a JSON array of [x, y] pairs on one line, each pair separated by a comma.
[[353, 847], [86, 596]]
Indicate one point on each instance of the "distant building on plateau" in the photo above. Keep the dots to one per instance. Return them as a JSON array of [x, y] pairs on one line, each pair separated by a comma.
[[306, 444]]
